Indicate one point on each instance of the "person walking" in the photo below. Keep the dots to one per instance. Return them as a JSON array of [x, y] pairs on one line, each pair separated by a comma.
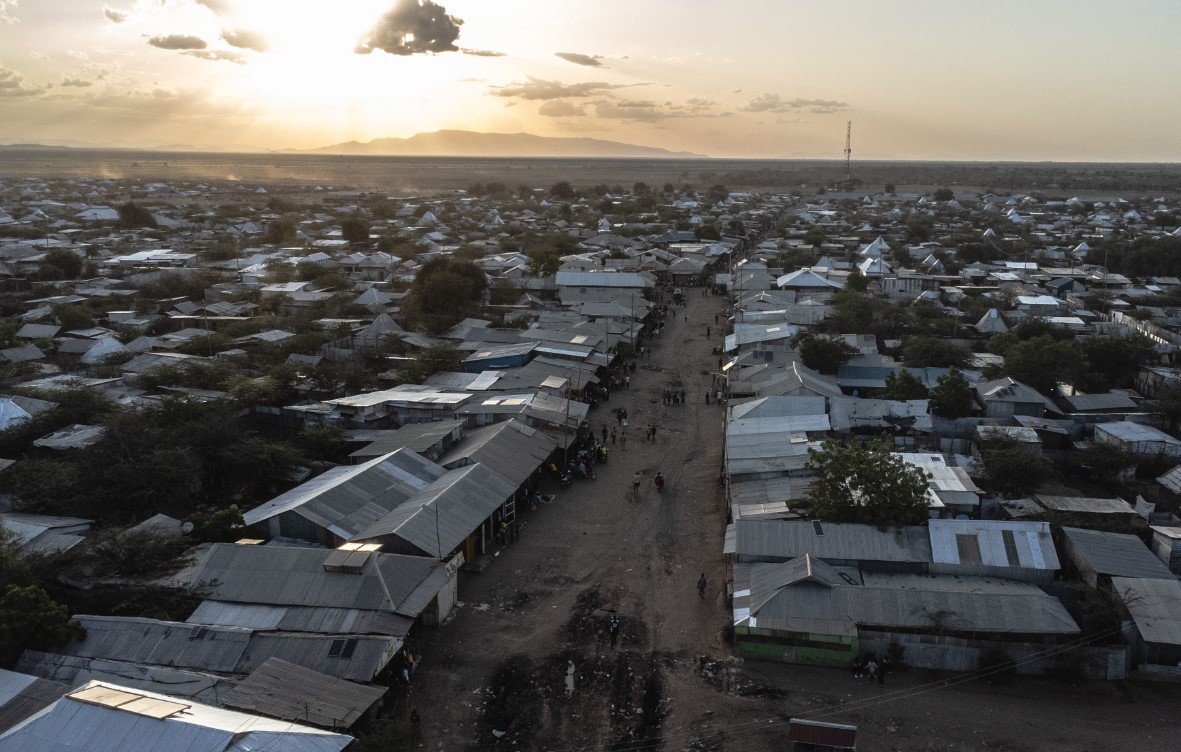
[[619, 416], [707, 396], [614, 629], [623, 439], [701, 583], [604, 433], [707, 332], [636, 485], [612, 437], [883, 666], [653, 433]]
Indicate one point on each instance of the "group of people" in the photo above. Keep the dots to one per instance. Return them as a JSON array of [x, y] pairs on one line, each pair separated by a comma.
[[673, 397], [871, 667]]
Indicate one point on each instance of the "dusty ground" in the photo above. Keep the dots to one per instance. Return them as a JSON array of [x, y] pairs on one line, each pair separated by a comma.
[[527, 654]]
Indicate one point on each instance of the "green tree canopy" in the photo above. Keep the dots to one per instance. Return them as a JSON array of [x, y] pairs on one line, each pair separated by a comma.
[[60, 264], [31, 620], [444, 292], [903, 386], [824, 354], [866, 484], [1014, 470], [924, 352], [857, 281], [355, 230], [952, 397], [73, 316], [282, 231], [132, 215], [1117, 359], [1042, 362], [563, 190], [944, 194]]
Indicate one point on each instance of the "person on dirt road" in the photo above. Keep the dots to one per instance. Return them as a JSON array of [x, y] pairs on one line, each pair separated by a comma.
[[604, 433], [659, 481], [701, 583], [636, 485], [614, 629]]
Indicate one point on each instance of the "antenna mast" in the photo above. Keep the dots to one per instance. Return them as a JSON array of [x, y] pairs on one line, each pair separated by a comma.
[[848, 149]]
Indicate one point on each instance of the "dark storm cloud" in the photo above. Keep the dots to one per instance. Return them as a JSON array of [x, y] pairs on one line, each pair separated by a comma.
[[592, 61], [246, 40], [114, 15], [413, 27], [539, 89], [178, 42], [776, 103]]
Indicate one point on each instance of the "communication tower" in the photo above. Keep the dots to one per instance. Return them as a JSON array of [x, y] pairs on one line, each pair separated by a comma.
[[848, 150]]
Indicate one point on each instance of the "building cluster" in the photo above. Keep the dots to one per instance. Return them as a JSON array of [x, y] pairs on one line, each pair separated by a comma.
[[1077, 569], [305, 616]]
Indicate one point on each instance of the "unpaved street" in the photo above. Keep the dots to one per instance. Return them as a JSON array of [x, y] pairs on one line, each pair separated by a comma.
[[526, 663]]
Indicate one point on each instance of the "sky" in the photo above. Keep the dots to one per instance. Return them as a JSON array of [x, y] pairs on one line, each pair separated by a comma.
[[1037, 80]]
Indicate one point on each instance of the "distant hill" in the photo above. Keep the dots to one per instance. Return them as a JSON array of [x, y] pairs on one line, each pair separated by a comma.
[[475, 144]]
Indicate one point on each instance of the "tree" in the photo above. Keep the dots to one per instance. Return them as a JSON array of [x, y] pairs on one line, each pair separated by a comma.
[[866, 484], [1014, 470], [815, 237], [717, 192], [355, 230], [952, 397], [563, 190], [931, 352], [73, 316], [428, 362], [889, 188], [282, 231], [60, 264], [1166, 405], [857, 281], [132, 215], [824, 354], [904, 385], [1117, 359], [1042, 362], [444, 292], [31, 620], [944, 194]]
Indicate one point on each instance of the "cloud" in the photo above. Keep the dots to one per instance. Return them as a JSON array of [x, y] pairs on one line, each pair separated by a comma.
[[592, 61], [413, 27], [114, 15], [561, 108], [79, 83], [246, 40], [12, 84], [539, 89], [178, 42], [219, 7], [775, 103], [649, 110], [481, 53], [217, 55], [7, 7]]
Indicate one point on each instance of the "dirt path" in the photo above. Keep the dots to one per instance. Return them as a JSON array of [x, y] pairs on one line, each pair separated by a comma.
[[526, 663]]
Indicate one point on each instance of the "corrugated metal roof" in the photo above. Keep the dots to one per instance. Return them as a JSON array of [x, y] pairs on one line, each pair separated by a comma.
[[283, 576], [840, 605], [441, 516], [1031, 543], [1116, 554], [1154, 605], [348, 499], [511, 449], [831, 541], [284, 690], [22, 696], [72, 725], [1127, 431]]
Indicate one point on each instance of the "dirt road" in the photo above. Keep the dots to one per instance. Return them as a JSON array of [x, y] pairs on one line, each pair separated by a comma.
[[526, 661]]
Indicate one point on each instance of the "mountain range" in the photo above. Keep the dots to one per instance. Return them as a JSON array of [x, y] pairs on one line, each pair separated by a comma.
[[454, 143]]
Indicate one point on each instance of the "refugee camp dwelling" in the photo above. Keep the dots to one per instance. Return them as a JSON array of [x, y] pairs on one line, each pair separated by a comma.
[[430, 440], [1096, 513], [110, 716], [408, 403], [951, 492], [1166, 544], [22, 696], [1098, 556], [1007, 397], [44, 534], [906, 549], [808, 611], [1008, 550], [1154, 607], [1137, 438]]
